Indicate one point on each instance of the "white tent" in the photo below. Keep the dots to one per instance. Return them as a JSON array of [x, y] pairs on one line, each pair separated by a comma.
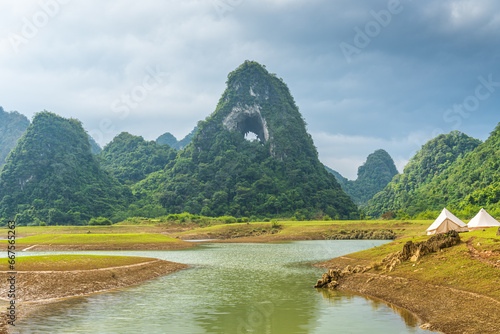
[[482, 220], [445, 222]]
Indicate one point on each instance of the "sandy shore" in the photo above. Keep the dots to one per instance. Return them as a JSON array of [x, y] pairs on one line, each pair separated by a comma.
[[37, 288], [440, 308]]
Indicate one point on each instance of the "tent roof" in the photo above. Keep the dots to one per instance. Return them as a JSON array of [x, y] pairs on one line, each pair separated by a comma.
[[445, 214], [483, 219]]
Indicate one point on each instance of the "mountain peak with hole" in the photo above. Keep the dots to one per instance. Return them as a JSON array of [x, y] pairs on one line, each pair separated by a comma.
[[221, 172]]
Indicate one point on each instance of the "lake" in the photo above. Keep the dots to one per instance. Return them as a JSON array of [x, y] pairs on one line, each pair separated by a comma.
[[230, 288]]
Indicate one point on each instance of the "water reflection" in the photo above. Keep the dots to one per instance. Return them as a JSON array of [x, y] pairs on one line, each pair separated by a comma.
[[338, 297]]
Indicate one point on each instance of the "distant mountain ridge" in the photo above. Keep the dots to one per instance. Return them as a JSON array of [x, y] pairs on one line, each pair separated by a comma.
[[131, 159], [170, 140], [12, 127], [373, 177]]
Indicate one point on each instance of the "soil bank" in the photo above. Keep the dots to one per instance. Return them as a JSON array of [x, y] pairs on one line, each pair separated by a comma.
[[440, 308], [36, 288]]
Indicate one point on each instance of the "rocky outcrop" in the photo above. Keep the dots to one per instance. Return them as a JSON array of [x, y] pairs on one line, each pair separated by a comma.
[[246, 119], [414, 251], [331, 279], [411, 251], [362, 235]]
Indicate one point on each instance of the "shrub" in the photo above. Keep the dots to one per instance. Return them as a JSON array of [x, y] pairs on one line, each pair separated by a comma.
[[100, 221]]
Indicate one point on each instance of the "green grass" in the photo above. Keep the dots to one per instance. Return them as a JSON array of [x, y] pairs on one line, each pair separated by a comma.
[[92, 239], [73, 262], [289, 228], [320, 228], [451, 267], [25, 231]]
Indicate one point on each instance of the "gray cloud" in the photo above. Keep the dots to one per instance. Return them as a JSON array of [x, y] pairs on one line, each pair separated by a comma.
[[423, 62]]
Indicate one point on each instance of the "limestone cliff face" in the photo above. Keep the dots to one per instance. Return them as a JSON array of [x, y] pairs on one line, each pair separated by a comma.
[[247, 119]]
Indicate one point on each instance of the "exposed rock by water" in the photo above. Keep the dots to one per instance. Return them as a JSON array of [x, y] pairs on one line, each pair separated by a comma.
[[411, 251], [362, 235]]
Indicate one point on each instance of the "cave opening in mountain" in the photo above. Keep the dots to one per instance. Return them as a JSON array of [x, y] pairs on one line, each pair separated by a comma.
[[251, 128]]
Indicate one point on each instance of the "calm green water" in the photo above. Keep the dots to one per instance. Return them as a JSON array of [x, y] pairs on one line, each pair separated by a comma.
[[231, 288]]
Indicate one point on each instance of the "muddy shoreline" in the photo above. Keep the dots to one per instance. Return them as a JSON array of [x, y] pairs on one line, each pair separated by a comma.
[[439, 308], [35, 289]]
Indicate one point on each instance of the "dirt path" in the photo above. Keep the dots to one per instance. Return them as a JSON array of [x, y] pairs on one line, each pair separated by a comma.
[[480, 256]]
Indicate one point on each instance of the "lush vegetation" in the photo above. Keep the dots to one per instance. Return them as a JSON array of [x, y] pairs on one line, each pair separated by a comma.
[[222, 173], [166, 139], [52, 177], [12, 127], [452, 170], [94, 147], [373, 177], [130, 158]]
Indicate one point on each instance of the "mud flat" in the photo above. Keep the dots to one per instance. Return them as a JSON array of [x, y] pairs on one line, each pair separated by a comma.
[[65, 279], [450, 289]]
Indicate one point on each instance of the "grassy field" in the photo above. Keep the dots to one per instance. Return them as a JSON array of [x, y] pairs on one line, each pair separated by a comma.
[[91, 238], [453, 267], [308, 229], [25, 231], [74, 262], [281, 230]]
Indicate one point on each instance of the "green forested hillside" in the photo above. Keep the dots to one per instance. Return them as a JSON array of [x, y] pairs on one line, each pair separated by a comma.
[[52, 176], [167, 139], [471, 182], [373, 177], [130, 158], [422, 185], [94, 147], [221, 172], [12, 127]]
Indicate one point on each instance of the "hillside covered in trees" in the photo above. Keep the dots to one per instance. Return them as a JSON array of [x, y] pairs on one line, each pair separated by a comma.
[[131, 158], [12, 127], [451, 170], [222, 173], [51, 176], [373, 177]]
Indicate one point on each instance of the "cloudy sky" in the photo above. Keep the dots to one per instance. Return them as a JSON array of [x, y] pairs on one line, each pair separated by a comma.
[[365, 74]]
